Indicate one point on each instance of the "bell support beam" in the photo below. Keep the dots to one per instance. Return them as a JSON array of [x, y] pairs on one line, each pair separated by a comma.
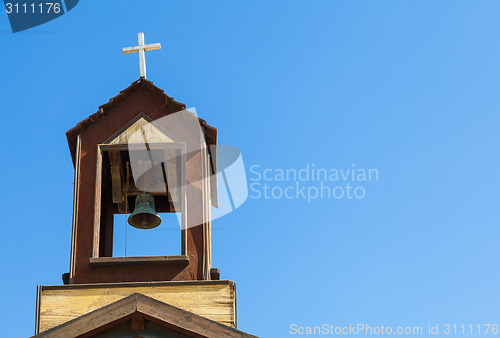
[[116, 176]]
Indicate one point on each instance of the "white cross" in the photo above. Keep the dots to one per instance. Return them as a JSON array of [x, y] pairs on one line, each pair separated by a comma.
[[141, 48]]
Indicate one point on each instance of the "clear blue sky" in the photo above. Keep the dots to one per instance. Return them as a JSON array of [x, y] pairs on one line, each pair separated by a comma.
[[410, 88]]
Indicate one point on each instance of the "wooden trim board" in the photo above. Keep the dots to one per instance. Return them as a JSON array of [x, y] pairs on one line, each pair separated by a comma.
[[134, 261], [76, 192]]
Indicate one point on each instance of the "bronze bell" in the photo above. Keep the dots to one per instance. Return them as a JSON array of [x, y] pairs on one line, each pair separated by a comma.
[[144, 215]]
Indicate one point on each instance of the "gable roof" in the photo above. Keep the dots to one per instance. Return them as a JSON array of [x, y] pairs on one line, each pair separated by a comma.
[[138, 308], [210, 132]]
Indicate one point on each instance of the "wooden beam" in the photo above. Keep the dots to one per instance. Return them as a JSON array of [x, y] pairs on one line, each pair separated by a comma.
[[172, 174], [137, 322], [214, 274], [97, 204], [38, 305], [146, 48], [117, 176], [151, 260], [76, 192], [65, 278]]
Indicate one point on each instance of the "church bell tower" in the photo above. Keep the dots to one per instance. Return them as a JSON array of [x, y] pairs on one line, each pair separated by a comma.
[[140, 156]]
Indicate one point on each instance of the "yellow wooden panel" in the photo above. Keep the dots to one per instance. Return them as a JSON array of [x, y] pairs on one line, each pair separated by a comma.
[[215, 300]]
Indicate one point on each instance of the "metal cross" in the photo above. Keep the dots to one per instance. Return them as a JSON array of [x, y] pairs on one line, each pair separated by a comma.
[[141, 48]]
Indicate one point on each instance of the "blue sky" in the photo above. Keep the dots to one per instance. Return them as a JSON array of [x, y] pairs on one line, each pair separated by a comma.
[[407, 87]]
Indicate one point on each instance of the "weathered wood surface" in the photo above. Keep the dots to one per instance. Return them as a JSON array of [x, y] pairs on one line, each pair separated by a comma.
[[215, 300], [134, 311]]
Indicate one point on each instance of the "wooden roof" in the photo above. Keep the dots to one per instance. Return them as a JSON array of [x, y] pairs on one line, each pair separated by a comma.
[[141, 84], [134, 313]]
